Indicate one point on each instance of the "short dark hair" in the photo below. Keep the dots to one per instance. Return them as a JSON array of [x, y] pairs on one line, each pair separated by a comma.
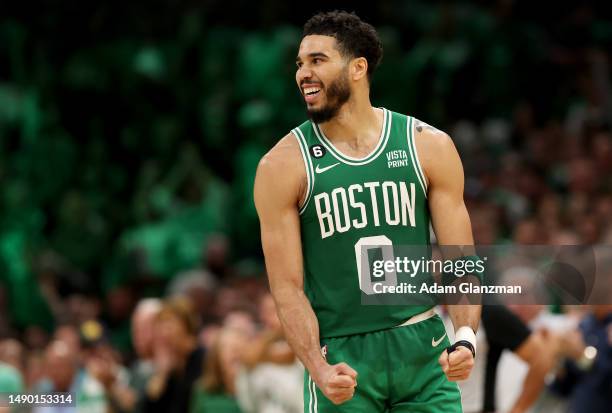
[[355, 37]]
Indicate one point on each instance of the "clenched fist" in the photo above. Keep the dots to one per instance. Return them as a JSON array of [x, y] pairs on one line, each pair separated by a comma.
[[458, 364], [337, 382]]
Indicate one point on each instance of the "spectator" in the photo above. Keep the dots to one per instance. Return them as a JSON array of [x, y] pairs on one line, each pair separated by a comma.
[[501, 329], [199, 287], [102, 362], [61, 366], [69, 335], [63, 374], [514, 381], [143, 328], [215, 391], [177, 358], [588, 381], [131, 396], [272, 378], [12, 352]]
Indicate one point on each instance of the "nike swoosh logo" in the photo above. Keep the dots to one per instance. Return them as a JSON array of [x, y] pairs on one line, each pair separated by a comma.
[[320, 170], [435, 343]]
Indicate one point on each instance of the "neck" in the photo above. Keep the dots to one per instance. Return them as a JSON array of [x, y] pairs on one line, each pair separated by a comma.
[[357, 121], [185, 351], [190, 346]]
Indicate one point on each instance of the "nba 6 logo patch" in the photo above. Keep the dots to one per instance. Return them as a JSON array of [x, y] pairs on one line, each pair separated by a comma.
[[317, 151], [324, 351]]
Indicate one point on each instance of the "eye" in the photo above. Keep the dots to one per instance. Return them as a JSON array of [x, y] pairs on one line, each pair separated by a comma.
[[316, 60], [299, 64]]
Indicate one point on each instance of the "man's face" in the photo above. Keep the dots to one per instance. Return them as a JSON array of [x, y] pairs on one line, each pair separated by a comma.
[[60, 366], [142, 333], [322, 77]]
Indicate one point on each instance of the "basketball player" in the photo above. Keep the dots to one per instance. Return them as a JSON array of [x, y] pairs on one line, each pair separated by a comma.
[[354, 175]]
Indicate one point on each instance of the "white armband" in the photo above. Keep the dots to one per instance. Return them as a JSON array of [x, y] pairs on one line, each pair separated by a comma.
[[466, 333]]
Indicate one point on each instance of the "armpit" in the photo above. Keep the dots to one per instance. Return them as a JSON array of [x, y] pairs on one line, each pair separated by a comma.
[[303, 191]]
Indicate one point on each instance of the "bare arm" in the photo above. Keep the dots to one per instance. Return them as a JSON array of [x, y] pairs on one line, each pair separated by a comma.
[[277, 193], [278, 187], [451, 222], [270, 346], [536, 352]]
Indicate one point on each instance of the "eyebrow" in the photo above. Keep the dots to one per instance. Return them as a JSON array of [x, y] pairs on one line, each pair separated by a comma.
[[312, 55]]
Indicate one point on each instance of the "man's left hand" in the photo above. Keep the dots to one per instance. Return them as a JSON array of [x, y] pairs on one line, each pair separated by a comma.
[[457, 365]]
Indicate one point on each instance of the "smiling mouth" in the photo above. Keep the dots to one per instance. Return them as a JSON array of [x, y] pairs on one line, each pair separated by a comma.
[[311, 93]]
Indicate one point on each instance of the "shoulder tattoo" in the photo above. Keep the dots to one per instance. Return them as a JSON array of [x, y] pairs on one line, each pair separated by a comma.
[[420, 125]]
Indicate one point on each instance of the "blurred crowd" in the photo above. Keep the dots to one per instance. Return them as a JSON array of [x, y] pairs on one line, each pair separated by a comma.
[[178, 364], [128, 147]]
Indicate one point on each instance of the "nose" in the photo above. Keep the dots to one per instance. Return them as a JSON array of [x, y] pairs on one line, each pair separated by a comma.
[[303, 73]]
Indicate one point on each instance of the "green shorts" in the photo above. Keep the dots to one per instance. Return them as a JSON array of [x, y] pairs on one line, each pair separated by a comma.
[[398, 372]]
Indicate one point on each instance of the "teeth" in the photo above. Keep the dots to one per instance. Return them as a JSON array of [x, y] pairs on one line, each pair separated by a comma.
[[310, 90]]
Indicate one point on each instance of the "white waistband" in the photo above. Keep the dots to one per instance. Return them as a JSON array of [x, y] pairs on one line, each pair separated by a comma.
[[418, 318]]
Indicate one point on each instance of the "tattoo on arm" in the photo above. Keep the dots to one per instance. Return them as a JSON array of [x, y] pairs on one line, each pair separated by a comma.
[[420, 125]]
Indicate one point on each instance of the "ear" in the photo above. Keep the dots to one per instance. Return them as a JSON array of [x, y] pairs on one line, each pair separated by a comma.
[[359, 68]]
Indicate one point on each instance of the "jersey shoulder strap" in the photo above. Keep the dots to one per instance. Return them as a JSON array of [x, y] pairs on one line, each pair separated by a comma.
[[409, 137], [303, 134]]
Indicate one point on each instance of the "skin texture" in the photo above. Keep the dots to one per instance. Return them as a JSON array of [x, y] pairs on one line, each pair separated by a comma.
[[280, 186], [61, 365], [269, 345], [451, 222], [143, 327], [535, 351]]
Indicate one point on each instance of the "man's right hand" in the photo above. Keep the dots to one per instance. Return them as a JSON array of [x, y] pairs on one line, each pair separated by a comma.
[[337, 382]]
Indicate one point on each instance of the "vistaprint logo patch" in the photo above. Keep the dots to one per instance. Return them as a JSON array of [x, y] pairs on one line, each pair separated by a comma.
[[397, 158]]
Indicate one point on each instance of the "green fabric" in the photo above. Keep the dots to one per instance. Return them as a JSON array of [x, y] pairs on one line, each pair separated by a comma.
[[27, 306], [397, 371], [10, 379], [354, 204], [90, 395], [176, 242], [245, 225], [121, 337], [204, 402]]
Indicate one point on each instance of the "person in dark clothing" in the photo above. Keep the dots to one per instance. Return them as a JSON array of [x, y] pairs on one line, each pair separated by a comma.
[[504, 330], [588, 381], [177, 357], [501, 329]]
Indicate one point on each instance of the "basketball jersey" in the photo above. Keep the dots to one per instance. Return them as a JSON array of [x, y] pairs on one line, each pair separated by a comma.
[[351, 203]]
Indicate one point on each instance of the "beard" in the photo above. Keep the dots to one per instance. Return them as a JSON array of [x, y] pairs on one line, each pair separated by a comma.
[[337, 94]]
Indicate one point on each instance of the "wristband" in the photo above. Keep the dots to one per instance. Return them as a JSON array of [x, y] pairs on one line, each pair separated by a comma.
[[466, 333], [462, 343]]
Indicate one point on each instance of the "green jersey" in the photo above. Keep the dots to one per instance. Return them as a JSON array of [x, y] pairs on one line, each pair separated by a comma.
[[352, 203]]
